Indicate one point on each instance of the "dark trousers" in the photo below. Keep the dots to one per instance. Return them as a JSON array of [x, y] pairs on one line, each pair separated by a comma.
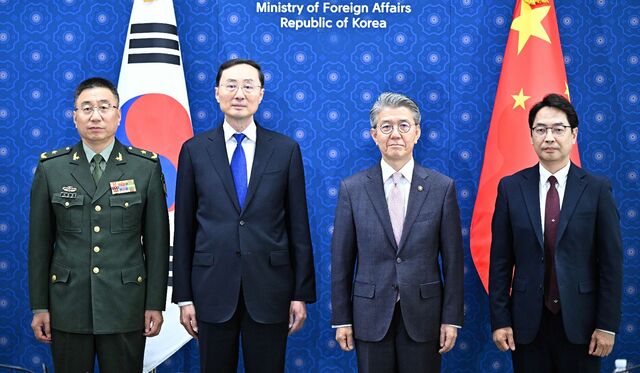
[[76, 353], [551, 351], [397, 352], [263, 345]]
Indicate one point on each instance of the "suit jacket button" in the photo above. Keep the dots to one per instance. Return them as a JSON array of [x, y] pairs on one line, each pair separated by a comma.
[[241, 222], [98, 208], [96, 270], [398, 260]]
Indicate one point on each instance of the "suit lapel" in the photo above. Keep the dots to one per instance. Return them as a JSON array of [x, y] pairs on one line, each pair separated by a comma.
[[531, 193], [375, 190], [264, 150], [80, 169], [417, 195], [112, 172], [217, 150], [572, 192]]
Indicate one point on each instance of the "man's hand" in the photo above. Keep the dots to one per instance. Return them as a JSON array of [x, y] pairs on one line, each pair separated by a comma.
[[601, 343], [152, 323], [503, 338], [297, 315], [344, 336], [188, 319], [448, 335], [41, 325]]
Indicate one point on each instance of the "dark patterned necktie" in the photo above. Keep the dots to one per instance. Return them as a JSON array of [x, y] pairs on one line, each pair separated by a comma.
[[551, 220]]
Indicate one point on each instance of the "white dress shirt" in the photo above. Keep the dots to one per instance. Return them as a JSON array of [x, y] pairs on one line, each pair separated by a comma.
[[404, 184], [248, 144]]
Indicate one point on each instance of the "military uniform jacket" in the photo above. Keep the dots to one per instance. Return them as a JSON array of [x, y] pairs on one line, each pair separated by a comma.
[[98, 257]]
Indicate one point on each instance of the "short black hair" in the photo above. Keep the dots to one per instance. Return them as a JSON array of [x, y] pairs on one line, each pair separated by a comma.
[[238, 61], [96, 82], [556, 101]]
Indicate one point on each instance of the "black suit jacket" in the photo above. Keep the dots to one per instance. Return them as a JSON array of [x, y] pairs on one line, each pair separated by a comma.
[[588, 256], [265, 247]]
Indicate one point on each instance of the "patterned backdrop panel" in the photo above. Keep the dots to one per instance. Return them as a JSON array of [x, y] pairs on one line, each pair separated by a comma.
[[320, 85]]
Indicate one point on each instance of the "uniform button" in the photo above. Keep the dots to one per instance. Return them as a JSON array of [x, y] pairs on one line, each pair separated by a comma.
[[96, 249], [241, 222], [126, 204], [542, 258], [96, 270], [98, 208], [54, 277], [66, 204], [398, 260], [96, 229], [555, 301], [139, 279]]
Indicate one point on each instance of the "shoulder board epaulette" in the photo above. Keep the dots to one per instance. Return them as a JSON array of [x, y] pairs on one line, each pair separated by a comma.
[[143, 153], [54, 153]]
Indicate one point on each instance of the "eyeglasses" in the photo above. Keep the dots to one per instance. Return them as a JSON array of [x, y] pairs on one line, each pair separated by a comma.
[[387, 128], [556, 131], [103, 109], [247, 88]]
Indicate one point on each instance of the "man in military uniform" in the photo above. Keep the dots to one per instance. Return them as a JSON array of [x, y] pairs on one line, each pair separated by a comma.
[[98, 243]]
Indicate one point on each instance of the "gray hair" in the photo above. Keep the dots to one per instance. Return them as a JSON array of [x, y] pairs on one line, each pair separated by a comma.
[[393, 100]]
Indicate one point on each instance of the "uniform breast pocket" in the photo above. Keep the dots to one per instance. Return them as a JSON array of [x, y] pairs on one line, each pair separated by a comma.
[[126, 212], [68, 212]]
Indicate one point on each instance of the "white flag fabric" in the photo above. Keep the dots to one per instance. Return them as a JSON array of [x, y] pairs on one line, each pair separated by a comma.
[[155, 117]]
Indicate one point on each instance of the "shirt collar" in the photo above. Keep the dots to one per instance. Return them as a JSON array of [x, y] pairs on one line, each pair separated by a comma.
[[388, 171], [561, 174], [249, 132], [105, 153]]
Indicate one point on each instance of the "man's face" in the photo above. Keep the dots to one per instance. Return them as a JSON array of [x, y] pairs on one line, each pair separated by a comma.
[[237, 103], [553, 149], [396, 147], [98, 127]]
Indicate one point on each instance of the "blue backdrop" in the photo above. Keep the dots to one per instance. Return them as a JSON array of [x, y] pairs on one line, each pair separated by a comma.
[[320, 85]]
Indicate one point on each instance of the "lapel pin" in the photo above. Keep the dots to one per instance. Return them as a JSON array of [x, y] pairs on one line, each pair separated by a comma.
[[119, 157], [420, 188], [76, 156]]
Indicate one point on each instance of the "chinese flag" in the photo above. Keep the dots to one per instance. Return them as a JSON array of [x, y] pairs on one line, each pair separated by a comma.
[[532, 67]]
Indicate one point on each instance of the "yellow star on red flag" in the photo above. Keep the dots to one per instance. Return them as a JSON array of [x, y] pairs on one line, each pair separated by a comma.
[[520, 99], [529, 24]]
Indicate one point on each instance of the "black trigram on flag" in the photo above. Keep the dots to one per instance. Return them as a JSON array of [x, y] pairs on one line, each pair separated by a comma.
[[159, 48]]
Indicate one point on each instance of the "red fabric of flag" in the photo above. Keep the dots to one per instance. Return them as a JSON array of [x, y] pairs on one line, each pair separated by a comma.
[[532, 67]]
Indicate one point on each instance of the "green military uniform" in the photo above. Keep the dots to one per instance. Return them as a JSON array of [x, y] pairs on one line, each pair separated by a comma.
[[98, 254]]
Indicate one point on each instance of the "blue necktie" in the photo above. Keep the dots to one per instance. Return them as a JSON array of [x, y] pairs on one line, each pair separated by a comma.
[[239, 169]]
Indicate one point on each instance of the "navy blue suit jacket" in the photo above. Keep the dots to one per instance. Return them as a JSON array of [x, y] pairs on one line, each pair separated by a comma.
[[266, 246], [368, 268], [588, 256]]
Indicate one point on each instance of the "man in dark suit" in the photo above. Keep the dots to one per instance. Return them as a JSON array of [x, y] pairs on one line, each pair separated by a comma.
[[393, 222], [98, 243], [243, 263], [555, 276]]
